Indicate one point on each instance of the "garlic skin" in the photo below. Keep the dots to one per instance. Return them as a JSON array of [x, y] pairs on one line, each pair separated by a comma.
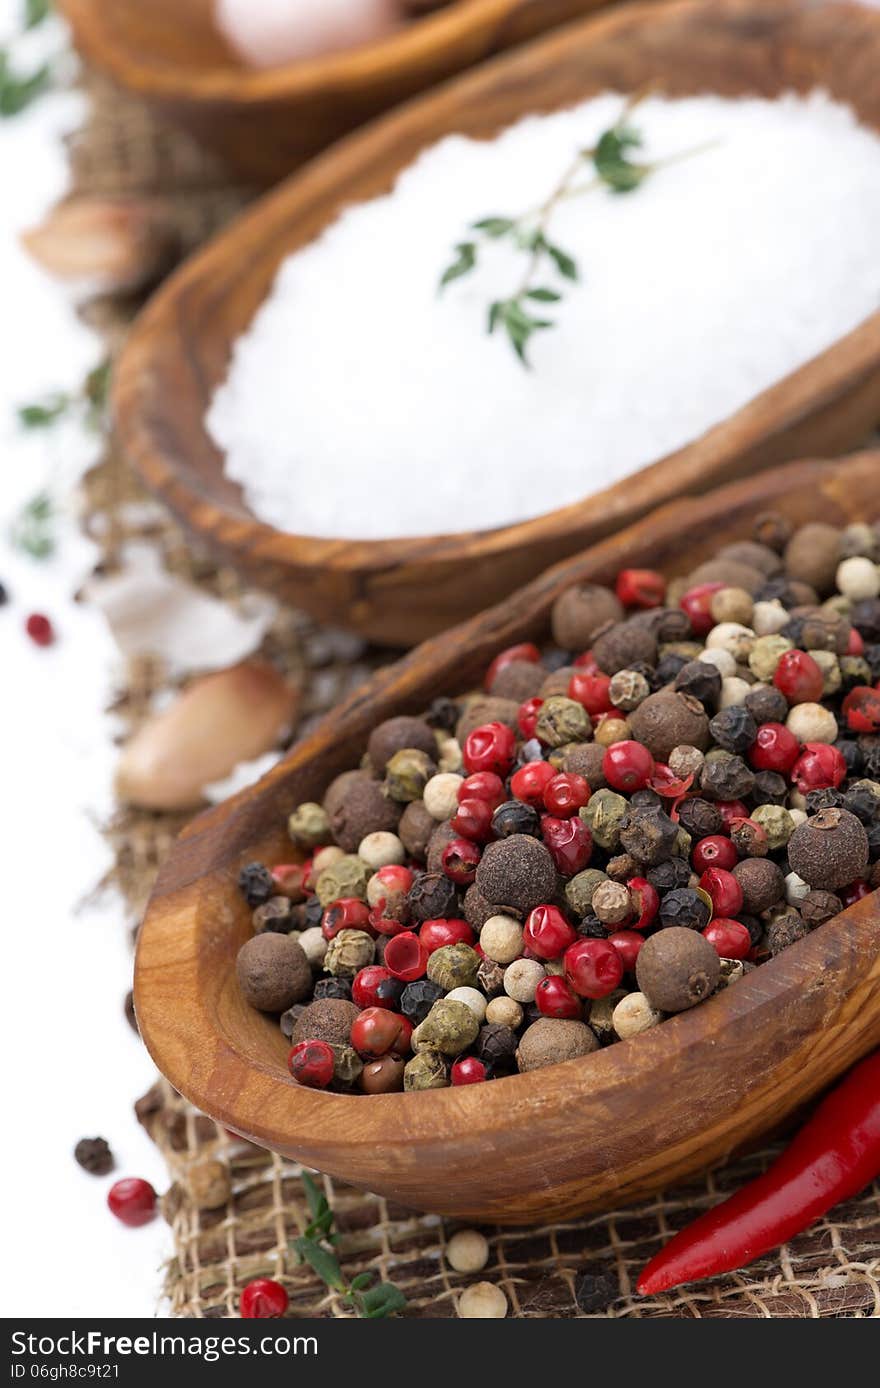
[[104, 245], [218, 721], [269, 33]]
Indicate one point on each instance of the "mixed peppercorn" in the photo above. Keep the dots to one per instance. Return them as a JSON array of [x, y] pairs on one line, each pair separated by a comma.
[[609, 832]]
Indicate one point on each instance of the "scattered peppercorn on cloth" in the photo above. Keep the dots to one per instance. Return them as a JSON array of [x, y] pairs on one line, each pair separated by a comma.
[[579, 1268]]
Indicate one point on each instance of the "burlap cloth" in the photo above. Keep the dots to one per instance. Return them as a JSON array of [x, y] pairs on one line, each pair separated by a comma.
[[834, 1270]]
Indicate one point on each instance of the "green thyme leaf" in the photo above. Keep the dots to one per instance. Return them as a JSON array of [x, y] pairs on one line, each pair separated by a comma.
[[16, 93], [384, 1300], [466, 253], [362, 1281], [315, 1198], [495, 226], [96, 393], [612, 163], [565, 264], [41, 414], [35, 11], [321, 1261], [543, 296], [32, 530]]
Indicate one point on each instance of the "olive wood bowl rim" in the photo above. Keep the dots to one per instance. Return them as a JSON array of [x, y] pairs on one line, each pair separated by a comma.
[[317, 1118]]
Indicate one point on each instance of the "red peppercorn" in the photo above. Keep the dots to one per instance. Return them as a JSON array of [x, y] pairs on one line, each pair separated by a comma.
[[730, 938], [529, 783], [395, 877], [525, 651], [799, 678], [290, 879], [547, 933], [774, 749], [696, 603], [348, 913], [40, 629], [435, 934], [854, 892], [818, 767], [468, 1070], [586, 663], [311, 1063], [627, 766], [730, 810], [592, 692], [483, 785], [406, 957], [132, 1200], [640, 587], [263, 1300], [376, 1032], [566, 794], [664, 782], [569, 843], [855, 644], [491, 747], [861, 709], [554, 998], [375, 986], [385, 925], [714, 851], [473, 820], [460, 860], [627, 943], [593, 968], [645, 902], [723, 890], [527, 717]]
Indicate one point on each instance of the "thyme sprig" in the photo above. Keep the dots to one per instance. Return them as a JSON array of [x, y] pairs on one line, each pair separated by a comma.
[[18, 90], [615, 169], [369, 1299]]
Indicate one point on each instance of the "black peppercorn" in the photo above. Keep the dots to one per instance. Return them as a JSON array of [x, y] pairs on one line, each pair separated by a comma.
[[872, 656], [332, 988], [861, 802], [865, 617], [496, 1044], [645, 798], [701, 680], [94, 1155], [766, 704], [669, 876], [555, 658], [595, 1292], [531, 1013], [418, 998], [443, 714], [667, 623], [700, 818], [288, 1020], [777, 589], [754, 926], [432, 897], [817, 907], [727, 778], [515, 817], [770, 788], [870, 750], [873, 832], [275, 914], [668, 668], [647, 832], [684, 907], [825, 799], [312, 913], [734, 728], [784, 931], [256, 884], [592, 928], [852, 755]]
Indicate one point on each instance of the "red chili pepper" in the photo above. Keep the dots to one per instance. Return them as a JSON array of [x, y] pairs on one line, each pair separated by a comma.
[[834, 1156]]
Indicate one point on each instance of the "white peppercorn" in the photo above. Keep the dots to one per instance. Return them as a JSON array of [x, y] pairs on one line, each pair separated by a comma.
[[441, 795], [501, 939], [472, 998], [314, 945], [449, 757], [381, 849], [766, 654], [812, 723], [325, 857], [634, 1014], [733, 637], [769, 618], [611, 903], [795, 889], [733, 691], [482, 1301], [467, 1251], [722, 660], [504, 1012], [521, 979], [858, 578]]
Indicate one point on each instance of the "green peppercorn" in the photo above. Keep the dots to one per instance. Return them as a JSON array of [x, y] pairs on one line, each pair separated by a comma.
[[450, 1027], [579, 890], [407, 774], [777, 824], [347, 1065], [603, 816], [766, 654], [348, 876], [427, 1070], [453, 966], [562, 720], [348, 953], [309, 825]]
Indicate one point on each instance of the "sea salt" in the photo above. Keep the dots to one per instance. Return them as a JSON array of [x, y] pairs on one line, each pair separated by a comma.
[[361, 403]]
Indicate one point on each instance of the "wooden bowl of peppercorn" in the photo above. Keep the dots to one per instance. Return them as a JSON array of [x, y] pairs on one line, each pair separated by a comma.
[[601, 1131], [400, 591], [265, 122]]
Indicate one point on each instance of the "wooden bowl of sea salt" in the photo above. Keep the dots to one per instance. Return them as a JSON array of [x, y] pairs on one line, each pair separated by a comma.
[[321, 419], [188, 59]]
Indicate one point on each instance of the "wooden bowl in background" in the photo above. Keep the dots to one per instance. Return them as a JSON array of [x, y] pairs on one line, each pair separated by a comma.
[[267, 122], [402, 590], [601, 1131]]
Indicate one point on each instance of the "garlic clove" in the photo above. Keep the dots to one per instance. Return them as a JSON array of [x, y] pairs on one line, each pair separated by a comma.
[[218, 721], [104, 245]]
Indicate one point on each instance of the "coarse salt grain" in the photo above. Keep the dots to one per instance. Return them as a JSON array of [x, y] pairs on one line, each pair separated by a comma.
[[360, 403]]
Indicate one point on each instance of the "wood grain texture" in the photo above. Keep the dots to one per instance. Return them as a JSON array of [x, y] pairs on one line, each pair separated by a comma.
[[267, 123], [592, 1133], [400, 591]]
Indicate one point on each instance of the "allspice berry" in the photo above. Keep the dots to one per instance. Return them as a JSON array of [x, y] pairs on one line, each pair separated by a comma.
[[329, 1019], [551, 1040], [516, 874], [580, 612], [489, 710], [623, 645], [677, 968], [415, 829], [762, 883], [273, 972], [209, 1185], [830, 850], [519, 680], [396, 734], [666, 720], [585, 759], [812, 556], [363, 811], [384, 1076]]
